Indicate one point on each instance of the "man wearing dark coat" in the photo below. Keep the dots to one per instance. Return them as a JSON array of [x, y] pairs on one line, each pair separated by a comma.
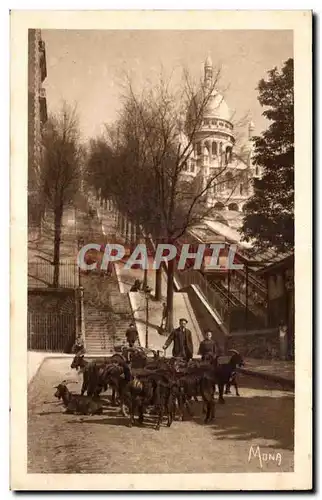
[[131, 335], [182, 341]]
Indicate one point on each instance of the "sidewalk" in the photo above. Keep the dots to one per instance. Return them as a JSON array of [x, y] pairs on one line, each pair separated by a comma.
[[181, 307], [36, 358], [273, 370]]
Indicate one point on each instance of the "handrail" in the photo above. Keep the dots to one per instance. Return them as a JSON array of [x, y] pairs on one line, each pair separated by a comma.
[[216, 298], [193, 277], [251, 278], [252, 305]]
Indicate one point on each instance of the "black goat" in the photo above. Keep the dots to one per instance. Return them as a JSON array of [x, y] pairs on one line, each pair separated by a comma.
[[198, 379], [225, 374], [153, 390], [74, 403], [233, 381], [94, 374]]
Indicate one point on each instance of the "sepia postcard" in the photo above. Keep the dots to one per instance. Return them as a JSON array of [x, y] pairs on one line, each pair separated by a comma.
[[161, 250]]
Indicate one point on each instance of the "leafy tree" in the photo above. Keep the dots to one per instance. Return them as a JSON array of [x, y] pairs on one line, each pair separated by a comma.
[[269, 214]]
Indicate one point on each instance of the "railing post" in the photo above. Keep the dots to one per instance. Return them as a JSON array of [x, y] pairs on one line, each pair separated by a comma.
[[46, 333], [228, 302], [82, 316]]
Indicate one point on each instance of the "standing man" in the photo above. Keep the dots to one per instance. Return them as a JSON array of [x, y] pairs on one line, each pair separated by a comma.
[[207, 346], [131, 335], [182, 341]]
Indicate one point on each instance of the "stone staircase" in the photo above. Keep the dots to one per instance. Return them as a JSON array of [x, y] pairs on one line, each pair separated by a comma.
[[107, 314], [107, 311]]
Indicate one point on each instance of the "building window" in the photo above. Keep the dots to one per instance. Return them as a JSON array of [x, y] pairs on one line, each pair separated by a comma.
[[192, 166], [198, 148], [228, 154], [241, 189], [256, 170], [219, 206], [214, 148], [229, 180], [185, 167]]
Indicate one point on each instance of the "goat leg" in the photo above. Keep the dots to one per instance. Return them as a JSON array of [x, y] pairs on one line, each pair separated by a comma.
[[221, 391], [113, 398], [180, 403], [141, 415], [84, 387], [159, 416], [170, 409], [188, 401], [131, 411]]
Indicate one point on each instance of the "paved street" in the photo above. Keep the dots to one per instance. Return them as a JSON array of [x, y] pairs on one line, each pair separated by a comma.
[[58, 443]]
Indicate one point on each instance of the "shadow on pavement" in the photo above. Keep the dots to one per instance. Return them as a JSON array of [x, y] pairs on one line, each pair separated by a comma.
[[251, 418]]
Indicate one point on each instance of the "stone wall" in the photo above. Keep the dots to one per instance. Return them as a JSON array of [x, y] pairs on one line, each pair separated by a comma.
[[258, 344], [204, 317]]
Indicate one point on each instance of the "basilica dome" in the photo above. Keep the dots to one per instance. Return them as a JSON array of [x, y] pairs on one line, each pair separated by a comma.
[[217, 107]]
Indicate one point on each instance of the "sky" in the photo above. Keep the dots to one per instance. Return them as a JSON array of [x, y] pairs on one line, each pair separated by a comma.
[[87, 67]]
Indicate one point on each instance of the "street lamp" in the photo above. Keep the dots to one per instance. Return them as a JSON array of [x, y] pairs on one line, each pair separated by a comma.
[[147, 291]]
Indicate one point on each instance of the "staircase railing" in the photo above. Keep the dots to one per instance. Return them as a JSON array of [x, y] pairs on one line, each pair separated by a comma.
[[194, 277], [225, 305], [256, 296]]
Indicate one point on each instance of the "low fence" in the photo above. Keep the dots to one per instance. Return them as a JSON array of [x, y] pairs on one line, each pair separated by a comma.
[[54, 332], [41, 274]]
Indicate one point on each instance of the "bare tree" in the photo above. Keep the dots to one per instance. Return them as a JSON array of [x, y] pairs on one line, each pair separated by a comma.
[[167, 123], [61, 172]]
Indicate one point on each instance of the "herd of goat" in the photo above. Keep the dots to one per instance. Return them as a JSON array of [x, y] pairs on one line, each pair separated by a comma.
[[138, 382]]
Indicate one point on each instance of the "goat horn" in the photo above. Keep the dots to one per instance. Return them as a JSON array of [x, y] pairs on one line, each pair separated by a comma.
[[69, 382], [233, 350]]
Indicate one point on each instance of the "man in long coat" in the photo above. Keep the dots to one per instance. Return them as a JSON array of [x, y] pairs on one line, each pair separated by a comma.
[[182, 341], [131, 335]]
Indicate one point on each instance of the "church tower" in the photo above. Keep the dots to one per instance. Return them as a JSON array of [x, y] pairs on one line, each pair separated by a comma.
[[208, 71]]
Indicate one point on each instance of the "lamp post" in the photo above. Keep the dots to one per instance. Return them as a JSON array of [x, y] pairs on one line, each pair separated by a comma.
[[246, 299], [228, 299], [147, 291], [80, 244]]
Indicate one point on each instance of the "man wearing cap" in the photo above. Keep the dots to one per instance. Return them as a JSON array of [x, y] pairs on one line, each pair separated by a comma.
[[182, 341]]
